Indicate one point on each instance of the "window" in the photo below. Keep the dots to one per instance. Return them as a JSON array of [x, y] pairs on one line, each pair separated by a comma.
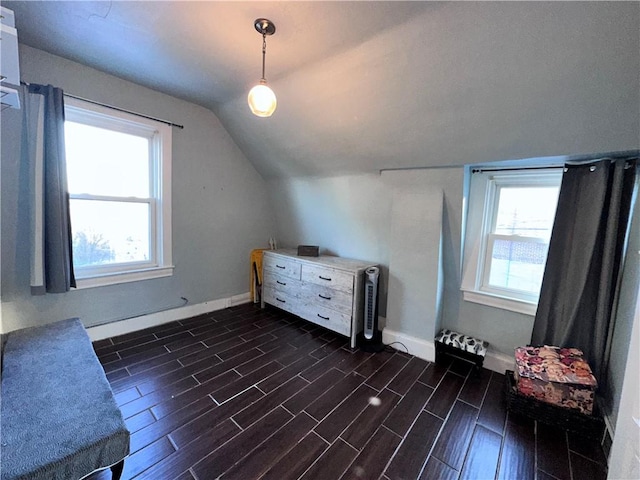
[[509, 224], [119, 176]]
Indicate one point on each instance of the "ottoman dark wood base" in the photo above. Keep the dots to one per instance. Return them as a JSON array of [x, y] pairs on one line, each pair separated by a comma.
[[564, 418]]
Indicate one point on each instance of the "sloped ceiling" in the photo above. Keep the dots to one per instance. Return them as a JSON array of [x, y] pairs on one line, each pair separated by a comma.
[[364, 86]]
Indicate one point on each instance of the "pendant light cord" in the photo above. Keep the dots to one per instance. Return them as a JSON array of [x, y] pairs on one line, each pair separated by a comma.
[[264, 51]]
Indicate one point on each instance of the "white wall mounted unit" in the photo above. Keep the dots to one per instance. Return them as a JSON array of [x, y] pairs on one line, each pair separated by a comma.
[[9, 63], [9, 97]]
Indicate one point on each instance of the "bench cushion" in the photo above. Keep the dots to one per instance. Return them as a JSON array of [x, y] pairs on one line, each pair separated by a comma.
[[59, 418], [465, 343]]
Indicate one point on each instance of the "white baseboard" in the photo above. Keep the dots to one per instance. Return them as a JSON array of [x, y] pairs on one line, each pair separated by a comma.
[[499, 362], [416, 346], [239, 299], [129, 325], [495, 361]]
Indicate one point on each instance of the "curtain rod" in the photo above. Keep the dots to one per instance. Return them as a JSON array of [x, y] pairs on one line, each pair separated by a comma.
[[503, 169], [142, 115], [568, 162], [401, 169], [118, 109]]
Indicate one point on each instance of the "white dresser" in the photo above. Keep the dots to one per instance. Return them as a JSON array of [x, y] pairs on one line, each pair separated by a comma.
[[325, 290]]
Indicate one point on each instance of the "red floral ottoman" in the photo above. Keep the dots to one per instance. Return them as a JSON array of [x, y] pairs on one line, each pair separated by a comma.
[[559, 376]]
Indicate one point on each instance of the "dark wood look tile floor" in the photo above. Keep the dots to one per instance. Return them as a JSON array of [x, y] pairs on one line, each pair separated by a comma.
[[245, 393]]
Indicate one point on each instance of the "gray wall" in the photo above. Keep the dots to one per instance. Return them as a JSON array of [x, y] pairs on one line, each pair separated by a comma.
[[351, 216], [415, 264], [623, 461], [625, 318], [346, 216], [220, 207]]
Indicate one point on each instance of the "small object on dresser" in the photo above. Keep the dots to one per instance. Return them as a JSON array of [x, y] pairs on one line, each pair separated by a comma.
[[308, 250], [559, 376]]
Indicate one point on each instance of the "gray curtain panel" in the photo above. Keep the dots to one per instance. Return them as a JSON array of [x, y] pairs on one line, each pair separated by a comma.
[[585, 258], [58, 260]]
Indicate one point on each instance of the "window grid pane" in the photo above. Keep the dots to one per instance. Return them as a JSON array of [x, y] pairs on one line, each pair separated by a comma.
[[110, 233], [526, 210], [106, 162], [517, 265], [518, 239]]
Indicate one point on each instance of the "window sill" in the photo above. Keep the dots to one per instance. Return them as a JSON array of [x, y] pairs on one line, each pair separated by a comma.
[[483, 298], [124, 277]]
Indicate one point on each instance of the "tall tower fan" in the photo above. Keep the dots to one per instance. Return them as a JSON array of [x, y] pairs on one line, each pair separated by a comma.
[[371, 337]]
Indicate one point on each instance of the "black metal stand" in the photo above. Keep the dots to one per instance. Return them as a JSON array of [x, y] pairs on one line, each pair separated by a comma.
[[441, 349]]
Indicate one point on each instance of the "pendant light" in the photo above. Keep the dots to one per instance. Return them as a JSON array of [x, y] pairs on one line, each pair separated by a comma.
[[262, 100]]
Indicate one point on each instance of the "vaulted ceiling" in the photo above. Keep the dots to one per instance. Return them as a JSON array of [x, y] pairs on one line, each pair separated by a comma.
[[364, 86]]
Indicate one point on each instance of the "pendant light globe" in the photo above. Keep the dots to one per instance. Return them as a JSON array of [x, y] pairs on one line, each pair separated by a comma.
[[262, 100]]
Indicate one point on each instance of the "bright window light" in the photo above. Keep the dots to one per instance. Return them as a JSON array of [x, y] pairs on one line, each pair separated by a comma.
[[118, 171], [110, 232], [509, 223], [104, 162], [517, 246]]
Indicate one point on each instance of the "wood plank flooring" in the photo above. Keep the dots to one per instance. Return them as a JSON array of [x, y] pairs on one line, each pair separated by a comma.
[[245, 393]]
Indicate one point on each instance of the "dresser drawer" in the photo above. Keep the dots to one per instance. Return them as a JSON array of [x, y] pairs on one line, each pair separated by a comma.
[[328, 277], [281, 265], [331, 319], [280, 283], [281, 300], [326, 290], [327, 297]]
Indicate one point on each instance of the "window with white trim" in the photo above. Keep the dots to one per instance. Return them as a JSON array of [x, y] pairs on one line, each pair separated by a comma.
[[509, 221], [119, 177]]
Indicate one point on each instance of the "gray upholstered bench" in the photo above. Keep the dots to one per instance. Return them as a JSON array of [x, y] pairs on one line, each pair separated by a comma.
[[464, 346], [59, 418]]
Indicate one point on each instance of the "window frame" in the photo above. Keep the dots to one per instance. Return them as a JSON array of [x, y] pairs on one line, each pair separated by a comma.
[[159, 200], [483, 202]]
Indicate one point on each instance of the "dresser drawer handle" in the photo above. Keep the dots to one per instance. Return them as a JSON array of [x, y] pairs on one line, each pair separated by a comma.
[[280, 266], [280, 300], [324, 318], [328, 279], [279, 282], [322, 296]]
